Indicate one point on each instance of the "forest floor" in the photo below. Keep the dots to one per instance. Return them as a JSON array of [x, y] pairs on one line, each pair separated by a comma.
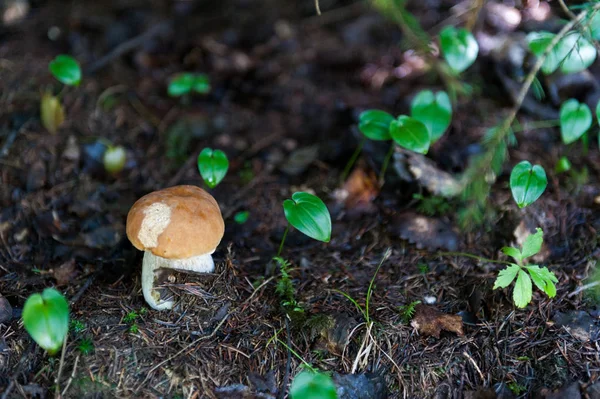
[[287, 87]]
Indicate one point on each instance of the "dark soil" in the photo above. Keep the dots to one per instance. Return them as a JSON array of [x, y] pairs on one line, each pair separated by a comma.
[[282, 80]]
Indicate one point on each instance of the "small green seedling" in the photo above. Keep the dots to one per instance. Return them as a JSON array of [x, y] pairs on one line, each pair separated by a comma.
[[575, 120], [411, 134], [186, 83], [114, 159], [313, 385], [541, 276], [46, 319], [85, 346], [309, 214], [241, 217], [527, 183], [375, 124], [433, 110], [459, 47], [408, 311], [67, 71], [213, 166], [562, 165]]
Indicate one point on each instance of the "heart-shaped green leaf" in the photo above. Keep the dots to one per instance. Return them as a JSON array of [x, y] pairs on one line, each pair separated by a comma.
[[213, 166], [523, 290], [538, 42], [201, 84], [307, 213], [527, 183], [411, 134], [311, 385], [46, 319], [66, 70], [434, 110], [575, 120], [375, 124], [181, 84], [459, 47], [576, 53]]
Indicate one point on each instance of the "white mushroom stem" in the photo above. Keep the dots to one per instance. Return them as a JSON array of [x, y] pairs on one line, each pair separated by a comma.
[[151, 262]]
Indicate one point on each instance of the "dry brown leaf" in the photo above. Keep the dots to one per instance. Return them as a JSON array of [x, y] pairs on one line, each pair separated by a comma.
[[361, 189], [424, 232], [65, 273], [429, 321], [51, 112]]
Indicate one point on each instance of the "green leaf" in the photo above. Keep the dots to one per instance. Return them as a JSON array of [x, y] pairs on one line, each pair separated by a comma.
[[213, 166], [114, 159], [410, 133], [527, 183], [513, 252], [201, 84], [576, 52], [538, 42], [46, 319], [523, 290], [434, 110], [575, 120], [544, 279], [308, 213], [241, 217], [375, 124], [533, 243], [311, 385], [593, 22], [181, 84], [506, 276], [562, 165], [459, 47], [66, 70]]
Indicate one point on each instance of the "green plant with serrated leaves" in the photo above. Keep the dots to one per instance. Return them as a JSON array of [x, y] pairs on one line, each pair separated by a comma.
[[524, 273]]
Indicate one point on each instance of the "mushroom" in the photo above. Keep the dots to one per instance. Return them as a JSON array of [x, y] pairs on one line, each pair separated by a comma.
[[177, 228]]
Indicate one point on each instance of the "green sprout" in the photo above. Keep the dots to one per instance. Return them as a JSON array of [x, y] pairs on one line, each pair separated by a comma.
[[46, 319], [85, 346], [186, 83], [241, 217], [213, 166], [543, 278], [313, 385], [527, 183]]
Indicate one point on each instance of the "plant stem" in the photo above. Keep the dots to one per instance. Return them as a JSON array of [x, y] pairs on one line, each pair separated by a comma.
[[386, 162], [352, 160], [536, 125], [386, 255], [60, 368], [466, 255], [283, 239]]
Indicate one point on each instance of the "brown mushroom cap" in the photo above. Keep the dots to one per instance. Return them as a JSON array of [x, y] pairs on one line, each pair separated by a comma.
[[176, 223]]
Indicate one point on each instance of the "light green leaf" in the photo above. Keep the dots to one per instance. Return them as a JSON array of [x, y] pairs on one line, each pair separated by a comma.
[[434, 110], [523, 290], [308, 213], [576, 52], [181, 84], [544, 279], [201, 83], [506, 276], [213, 166], [241, 217], [593, 22], [411, 134], [533, 243], [527, 183], [311, 385], [538, 42], [575, 120], [562, 165], [66, 70], [513, 252], [375, 124], [459, 47], [46, 319]]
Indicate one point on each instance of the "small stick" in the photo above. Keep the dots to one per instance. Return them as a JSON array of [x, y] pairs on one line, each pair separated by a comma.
[[60, 367], [583, 288], [64, 392]]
